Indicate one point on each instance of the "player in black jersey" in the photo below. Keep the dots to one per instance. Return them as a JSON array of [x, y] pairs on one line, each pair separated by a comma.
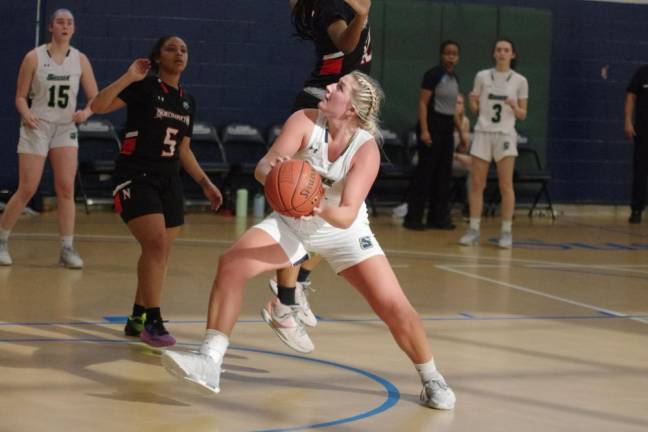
[[148, 190], [339, 30]]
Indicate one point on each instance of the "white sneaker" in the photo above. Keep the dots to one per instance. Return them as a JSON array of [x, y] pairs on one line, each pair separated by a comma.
[[436, 394], [5, 258], [400, 211], [471, 238], [505, 240], [304, 312], [70, 258], [282, 319], [196, 368]]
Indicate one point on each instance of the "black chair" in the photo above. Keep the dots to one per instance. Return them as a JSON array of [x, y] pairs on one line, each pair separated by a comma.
[[99, 147], [529, 170], [210, 154], [396, 171], [273, 133], [244, 146]]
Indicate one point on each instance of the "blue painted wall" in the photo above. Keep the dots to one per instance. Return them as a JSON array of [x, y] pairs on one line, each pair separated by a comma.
[[244, 65]]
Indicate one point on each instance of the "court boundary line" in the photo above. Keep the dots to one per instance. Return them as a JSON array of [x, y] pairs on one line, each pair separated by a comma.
[[542, 294], [393, 394]]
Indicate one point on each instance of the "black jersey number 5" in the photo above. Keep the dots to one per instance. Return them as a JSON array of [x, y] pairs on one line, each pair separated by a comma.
[[170, 142], [498, 113], [59, 98]]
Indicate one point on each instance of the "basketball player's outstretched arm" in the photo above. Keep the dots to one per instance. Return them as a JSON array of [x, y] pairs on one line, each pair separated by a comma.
[[107, 101], [358, 182], [346, 37]]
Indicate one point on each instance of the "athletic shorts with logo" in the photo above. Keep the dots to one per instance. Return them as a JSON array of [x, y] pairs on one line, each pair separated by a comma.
[[342, 248], [495, 146], [149, 194], [47, 136]]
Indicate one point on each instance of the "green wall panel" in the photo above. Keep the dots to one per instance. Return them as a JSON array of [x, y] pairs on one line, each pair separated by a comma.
[[411, 38], [406, 35], [531, 31], [475, 28]]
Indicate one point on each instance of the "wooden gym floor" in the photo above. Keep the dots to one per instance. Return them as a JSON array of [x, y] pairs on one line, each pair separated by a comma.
[[550, 336]]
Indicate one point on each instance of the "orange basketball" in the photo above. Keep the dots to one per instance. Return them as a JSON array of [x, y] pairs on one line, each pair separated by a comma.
[[293, 188]]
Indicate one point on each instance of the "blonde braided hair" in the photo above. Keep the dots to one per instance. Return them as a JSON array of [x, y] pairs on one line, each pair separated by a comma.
[[367, 99]]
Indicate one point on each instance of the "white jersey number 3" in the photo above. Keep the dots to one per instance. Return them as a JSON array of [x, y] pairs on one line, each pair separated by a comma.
[[170, 142]]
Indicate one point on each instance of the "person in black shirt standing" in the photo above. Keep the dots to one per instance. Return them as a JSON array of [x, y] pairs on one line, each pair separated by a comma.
[[436, 125], [148, 190], [637, 102]]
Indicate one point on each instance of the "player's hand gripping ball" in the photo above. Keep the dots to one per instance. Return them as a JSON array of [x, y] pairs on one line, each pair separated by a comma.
[[293, 188]]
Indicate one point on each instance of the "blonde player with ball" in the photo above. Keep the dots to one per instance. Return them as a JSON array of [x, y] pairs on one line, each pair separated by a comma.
[[337, 139], [500, 96]]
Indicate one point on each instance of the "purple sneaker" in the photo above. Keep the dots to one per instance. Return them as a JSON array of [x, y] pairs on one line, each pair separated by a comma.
[[155, 335]]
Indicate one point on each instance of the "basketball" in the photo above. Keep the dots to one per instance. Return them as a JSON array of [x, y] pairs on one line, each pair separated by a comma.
[[293, 188]]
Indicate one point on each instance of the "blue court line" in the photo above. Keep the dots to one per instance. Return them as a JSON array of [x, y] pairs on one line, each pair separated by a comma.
[[393, 395], [463, 316]]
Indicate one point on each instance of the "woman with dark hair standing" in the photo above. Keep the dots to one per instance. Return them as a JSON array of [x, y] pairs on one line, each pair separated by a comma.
[[339, 30], [148, 190], [436, 125], [49, 78], [500, 96]]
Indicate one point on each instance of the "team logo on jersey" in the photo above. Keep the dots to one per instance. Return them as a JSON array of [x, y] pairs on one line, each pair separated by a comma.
[[125, 193], [73, 135], [185, 105], [327, 182], [365, 242], [492, 96], [507, 145], [159, 98], [160, 113], [53, 77]]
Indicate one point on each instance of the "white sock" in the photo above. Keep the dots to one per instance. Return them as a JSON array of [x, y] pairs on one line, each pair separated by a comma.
[[507, 226], [427, 371], [67, 241], [474, 223], [215, 344], [4, 234]]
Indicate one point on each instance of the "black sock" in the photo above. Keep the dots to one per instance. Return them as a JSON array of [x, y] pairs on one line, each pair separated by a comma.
[[138, 310], [286, 295], [303, 275], [153, 314]]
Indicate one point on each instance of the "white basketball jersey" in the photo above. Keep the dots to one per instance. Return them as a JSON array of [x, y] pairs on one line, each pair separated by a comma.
[[333, 173], [54, 87], [493, 88]]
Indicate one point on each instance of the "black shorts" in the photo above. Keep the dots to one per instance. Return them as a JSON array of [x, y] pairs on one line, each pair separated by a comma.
[[150, 194]]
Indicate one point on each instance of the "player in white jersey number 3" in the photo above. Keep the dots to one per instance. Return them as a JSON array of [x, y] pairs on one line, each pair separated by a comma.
[[500, 95]]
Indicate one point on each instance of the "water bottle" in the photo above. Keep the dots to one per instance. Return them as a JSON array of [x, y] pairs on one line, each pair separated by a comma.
[[259, 206], [241, 203]]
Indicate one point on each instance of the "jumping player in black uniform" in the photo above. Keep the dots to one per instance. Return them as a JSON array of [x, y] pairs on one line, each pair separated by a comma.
[[148, 190], [339, 30]]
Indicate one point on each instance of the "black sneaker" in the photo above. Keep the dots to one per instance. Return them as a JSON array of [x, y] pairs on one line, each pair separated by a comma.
[[135, 325], [156, 335], [635, 217]]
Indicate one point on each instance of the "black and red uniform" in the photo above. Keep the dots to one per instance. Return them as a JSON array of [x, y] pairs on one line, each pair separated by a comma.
[[332, 64], [147, 178]]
